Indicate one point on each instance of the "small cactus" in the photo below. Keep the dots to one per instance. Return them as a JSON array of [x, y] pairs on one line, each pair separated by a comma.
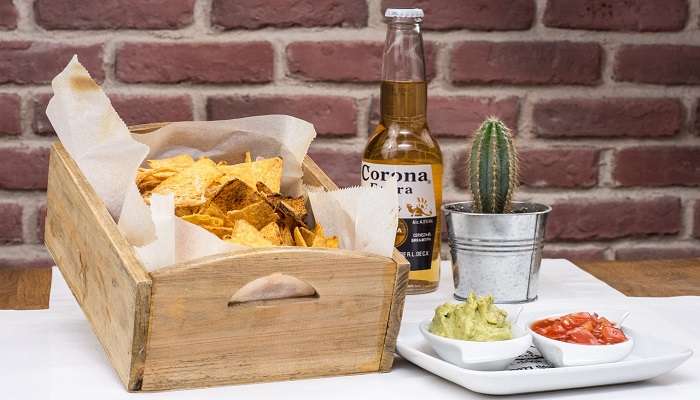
[[493, 168]]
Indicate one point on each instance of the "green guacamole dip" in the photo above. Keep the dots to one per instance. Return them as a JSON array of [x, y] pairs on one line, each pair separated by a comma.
[[477, 319]]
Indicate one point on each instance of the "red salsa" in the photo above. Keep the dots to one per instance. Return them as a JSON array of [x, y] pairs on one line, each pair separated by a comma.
[[580, 328]]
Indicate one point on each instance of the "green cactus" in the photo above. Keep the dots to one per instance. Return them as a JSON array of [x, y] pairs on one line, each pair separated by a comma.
[[493, 168]]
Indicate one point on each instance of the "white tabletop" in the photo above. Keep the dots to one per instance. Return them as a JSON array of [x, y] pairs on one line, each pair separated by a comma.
[[52, 354]]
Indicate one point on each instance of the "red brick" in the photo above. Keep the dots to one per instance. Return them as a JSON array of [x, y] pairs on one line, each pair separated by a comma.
[[133, 109], [254, 14], [230, 62], [697, 118], [113, 14], [8, 15], [452, 117], [610, 219], [41, 223], [10, 223], [23, 167], [329, 61], [616, 117], [658, 63], [25, 62], [343, 166], [559, 167], [331, 115], [657, 253], [576, 254], [605, 15], [657, 166], [526, 63], [696, 219], [10, 119], [552, 167], [483, 15]]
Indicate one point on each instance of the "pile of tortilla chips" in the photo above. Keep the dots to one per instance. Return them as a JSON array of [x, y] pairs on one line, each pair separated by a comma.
[[239, 203]]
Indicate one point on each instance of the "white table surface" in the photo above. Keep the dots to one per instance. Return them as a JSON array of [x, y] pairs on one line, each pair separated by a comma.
[[52, 354]]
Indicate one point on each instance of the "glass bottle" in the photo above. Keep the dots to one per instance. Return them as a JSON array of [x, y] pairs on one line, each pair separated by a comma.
[[401, 147]]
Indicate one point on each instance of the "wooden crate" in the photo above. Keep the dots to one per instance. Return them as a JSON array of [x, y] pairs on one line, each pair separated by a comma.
[[173, 328]]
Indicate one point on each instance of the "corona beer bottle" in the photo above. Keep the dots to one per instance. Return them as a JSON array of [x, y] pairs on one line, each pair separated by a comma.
[[402, 148]]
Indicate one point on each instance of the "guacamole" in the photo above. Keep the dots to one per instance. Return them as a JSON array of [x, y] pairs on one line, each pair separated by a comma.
[[476, 319]]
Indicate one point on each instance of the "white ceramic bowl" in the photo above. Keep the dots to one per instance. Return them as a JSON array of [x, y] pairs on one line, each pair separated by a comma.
[[563, 354], [482, 356]]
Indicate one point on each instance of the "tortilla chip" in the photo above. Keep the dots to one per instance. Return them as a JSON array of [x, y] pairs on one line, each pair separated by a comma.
[[214, 211], [286, 236], [307, 235], [257, 214], [299, 238], [190, 184], [183, 211], [267, 171], [178, 162], [292, 207], [234, 195], [203, 219], [271, 232], [246, 234], [146, 181], [332, 242], [162, 174], [297, 205], [220, 231]]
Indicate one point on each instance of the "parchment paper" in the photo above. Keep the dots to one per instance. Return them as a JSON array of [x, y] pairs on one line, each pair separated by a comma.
[[109, 156], [363, 218]]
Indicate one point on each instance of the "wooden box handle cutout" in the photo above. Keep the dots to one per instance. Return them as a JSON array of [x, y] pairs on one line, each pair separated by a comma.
[[275, 286]]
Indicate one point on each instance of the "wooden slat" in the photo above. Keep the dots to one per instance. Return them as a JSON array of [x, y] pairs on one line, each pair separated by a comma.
[[314, 175], [655, 278], [100, 267], [394, 322], [196, 339], [23, 288]]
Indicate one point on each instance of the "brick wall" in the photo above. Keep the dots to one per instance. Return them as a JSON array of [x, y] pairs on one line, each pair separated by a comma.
[[603, 95]]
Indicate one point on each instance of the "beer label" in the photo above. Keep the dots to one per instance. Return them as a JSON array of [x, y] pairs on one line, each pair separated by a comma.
[[417, 212]]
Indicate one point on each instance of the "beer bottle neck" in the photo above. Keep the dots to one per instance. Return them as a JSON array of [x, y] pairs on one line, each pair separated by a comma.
[[404, 88], [403, 52]]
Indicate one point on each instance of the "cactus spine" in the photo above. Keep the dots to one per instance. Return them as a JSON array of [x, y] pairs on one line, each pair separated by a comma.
[[493, 168]]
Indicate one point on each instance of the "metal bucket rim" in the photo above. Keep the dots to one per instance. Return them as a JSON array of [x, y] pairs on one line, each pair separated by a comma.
[[544, 209]]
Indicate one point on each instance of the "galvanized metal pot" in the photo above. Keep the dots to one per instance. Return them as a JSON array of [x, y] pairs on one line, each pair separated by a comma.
[[496, 254]]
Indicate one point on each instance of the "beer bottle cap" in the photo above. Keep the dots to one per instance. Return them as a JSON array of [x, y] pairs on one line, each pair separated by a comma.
[[403, 13]]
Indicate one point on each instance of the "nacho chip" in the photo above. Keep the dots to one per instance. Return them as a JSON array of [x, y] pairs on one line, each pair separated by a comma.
[[292, 207], [267, 171], [190, 184], [183, 211], [299, 238], [246, 234], [316, 238], [234, 195], [214, 211], [203, 219], [178, 162], [286, 236], [257, 214], [271, 232], [220, 231], [307, 235], [297, 206], [146, 182], [332, 242]]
